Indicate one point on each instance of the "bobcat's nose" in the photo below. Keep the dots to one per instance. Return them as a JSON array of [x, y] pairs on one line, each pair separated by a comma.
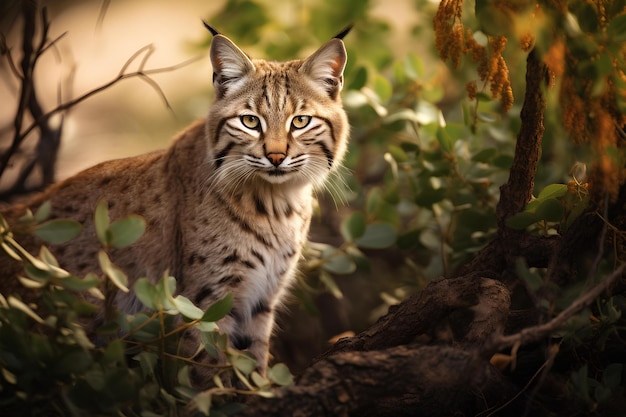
[[276, 158]]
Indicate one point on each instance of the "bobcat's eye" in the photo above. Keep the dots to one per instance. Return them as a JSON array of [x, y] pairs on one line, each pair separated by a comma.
[[249, 121], [300, 122]]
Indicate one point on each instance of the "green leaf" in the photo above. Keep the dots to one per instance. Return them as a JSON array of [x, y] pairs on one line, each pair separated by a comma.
[[146, 292], [164, 290], [32, 283], [147, 361], [358, 79], [330, 284], [552, 191], [95, 378], [58, 231], [73, 283], [353, 226], [617, 28], [377, 236], [114, 353], [47, 256], [374, 198], [126, 231], [187, 308], [116, 275], [445, 139], [76, 361], [43, 212], [398, 153], [521, 220], [219, 309], [243, 363], [259, 381], [279, 374], [337, 262], [532, 279], [101, 222], [429, 196], [203, 402], [612, 375], [550, 210], [486, 155], [414, 66], [602, 394], [382, 88], [19, 305]]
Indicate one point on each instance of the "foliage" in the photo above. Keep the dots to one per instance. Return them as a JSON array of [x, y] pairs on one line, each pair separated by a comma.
[[420, 182], [49, 363]]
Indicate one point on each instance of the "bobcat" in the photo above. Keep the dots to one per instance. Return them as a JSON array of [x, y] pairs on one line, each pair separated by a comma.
[[228, 205]]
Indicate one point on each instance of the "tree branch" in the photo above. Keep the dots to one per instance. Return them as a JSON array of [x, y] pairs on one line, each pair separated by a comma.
[[400, 381], [541, 331]]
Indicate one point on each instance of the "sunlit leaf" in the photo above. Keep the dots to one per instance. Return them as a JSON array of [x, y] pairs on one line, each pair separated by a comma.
[[279, 374], [116, 275], [19, 305], [31, 283], [101, 222], [203, 402], [47, 256], [243, 363], [259, 381], [187, 308]]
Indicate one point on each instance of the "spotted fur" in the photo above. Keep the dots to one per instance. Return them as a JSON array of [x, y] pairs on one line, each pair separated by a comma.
[[228, 205]]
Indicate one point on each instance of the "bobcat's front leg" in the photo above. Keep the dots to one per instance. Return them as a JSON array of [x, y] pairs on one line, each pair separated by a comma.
[[252, 335]]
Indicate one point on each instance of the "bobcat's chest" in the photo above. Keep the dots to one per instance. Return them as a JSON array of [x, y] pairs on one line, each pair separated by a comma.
[[250, 251]]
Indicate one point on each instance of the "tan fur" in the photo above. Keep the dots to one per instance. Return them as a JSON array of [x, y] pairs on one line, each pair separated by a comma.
[[227, 207]]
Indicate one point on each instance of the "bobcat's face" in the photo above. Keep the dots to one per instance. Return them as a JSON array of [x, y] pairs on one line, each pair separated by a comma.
[[278, 122]]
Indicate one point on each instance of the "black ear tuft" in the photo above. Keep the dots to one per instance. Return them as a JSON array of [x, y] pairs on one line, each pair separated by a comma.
[[343, 33], [210, 28]]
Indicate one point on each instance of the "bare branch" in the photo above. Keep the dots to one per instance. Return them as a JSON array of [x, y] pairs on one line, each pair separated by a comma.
[[69, 104], [130, 60], [157, 88], [103, 11], [535, 333]]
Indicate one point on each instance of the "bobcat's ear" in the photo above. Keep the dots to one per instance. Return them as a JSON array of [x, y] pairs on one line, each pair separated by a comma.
[[230, 65], [326, 66]]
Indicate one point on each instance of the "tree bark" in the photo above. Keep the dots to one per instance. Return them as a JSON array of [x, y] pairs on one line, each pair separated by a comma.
[[399, 381]]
